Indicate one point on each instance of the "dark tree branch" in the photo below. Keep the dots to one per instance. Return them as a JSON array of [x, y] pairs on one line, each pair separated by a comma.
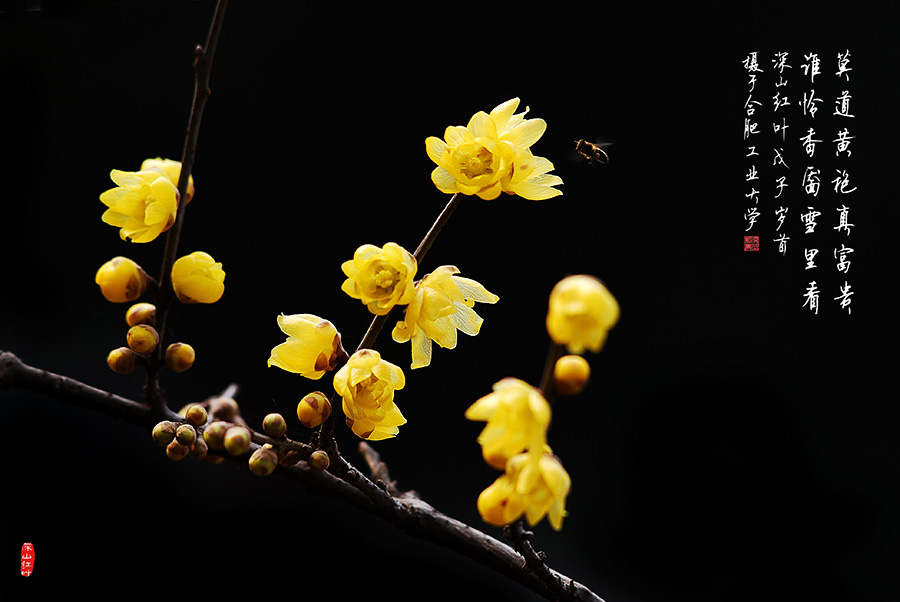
[[406, 511], [164, 293]]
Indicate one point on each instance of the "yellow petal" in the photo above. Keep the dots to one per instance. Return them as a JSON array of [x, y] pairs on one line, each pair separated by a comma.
[[526, 133], [435, 148]]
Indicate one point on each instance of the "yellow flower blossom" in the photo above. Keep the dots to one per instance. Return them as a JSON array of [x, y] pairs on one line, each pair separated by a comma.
[[367, 384], [198, 278], [581, 313], [313, 346], [144, 203], [535, 488], [380, 277], [121, 280], [517, 418], [442, 304], [491, 155]]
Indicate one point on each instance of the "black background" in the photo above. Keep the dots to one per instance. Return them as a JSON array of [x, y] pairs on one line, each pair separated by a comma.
[[731, 444]]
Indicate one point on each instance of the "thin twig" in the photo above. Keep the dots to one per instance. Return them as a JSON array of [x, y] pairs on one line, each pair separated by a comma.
[[164, 294], [326, 431]]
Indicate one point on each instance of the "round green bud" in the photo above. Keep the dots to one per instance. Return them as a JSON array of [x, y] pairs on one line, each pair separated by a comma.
[[196, 415], [180, 357], [142, 338], [263, 461], [318, 460], [214, 434], [199, 449], [274, 425], [122, 360], [290, 457], [164, 432], [177, 451], [223, 408], [237, 440], [141, 313], [185, 435]]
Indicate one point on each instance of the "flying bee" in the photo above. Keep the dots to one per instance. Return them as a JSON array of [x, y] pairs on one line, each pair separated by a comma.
[[593, 153]]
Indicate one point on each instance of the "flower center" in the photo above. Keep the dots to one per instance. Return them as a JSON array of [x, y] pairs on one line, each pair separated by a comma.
[[384, 278], [477, 164]]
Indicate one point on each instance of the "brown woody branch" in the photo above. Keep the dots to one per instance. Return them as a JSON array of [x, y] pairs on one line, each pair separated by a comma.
[[164, 293], [406, 511]]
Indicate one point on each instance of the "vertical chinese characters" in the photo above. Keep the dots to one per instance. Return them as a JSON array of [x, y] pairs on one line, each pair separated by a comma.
[[799, 175]]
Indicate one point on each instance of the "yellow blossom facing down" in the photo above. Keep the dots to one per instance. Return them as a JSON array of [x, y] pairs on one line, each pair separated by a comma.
[[380, 277], [441, 305], [144, 203], [535, 488], [313, 346], [517, 418], [367, 384], [121, 280], [492, 154], [198, 278], [581, 313]]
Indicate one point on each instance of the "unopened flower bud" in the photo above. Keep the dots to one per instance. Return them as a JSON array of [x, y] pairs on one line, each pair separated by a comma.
[[314, 409], [571, 374], [237, 440], [142, 338], [274, 425], [223, 408], [185, 435], [122, 360], [121, 280], [290, 457], [198, 278], [176, 451], [179, 357], [195, 415], [141, 313], [199, 449], [164, 432], [318, 460], [263, 461], [214, 434]]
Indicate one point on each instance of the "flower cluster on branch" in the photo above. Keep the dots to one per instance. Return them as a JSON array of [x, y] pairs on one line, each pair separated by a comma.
[[490, 155]]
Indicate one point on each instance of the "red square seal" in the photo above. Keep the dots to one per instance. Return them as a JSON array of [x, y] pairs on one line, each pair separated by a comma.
[[751, 243]]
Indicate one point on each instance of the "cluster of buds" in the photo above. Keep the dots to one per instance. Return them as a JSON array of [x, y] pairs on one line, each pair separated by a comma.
[[265, 458], [206, 427], [142, 339], [182, 439]]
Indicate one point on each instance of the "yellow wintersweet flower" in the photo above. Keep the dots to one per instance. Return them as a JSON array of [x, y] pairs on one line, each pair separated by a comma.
[[535, 488], [491, 155], [380, 277], [442, 304], [198, 278], [121, 280], [517, 418], [581, 313], [313, 346], [144, 203], [367, 384]]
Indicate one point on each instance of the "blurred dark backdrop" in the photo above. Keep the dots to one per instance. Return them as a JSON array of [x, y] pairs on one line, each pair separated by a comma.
[[731, 444]]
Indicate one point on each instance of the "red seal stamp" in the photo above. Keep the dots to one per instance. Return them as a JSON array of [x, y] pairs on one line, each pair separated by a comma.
[[27, 559], [751, 243]]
